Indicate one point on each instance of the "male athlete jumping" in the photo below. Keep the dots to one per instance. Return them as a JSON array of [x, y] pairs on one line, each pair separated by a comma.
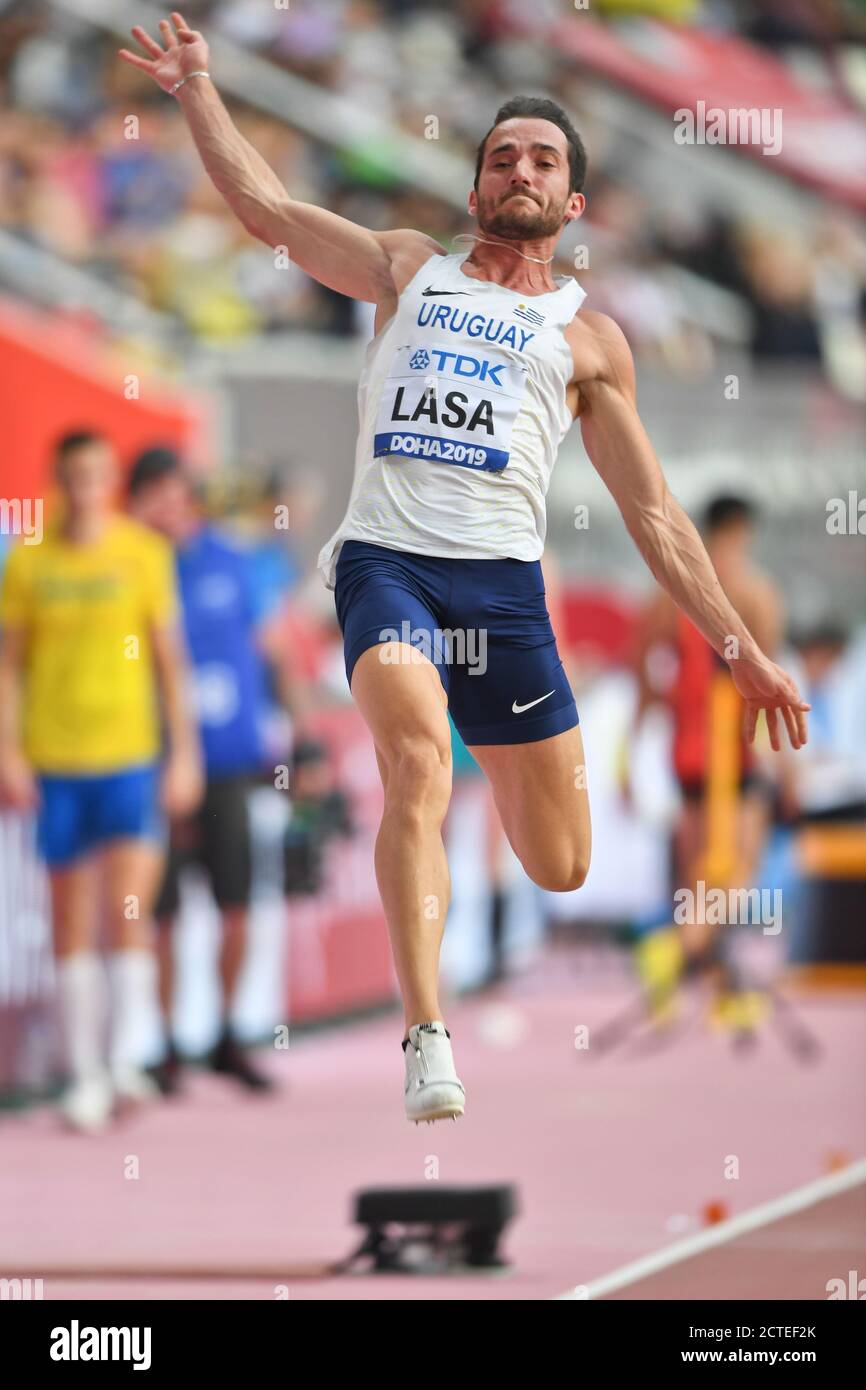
[[480, 363]]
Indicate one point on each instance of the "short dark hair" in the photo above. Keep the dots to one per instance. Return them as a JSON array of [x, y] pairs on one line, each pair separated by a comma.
[[543, 109], [726, 510], [150, 465], [72, 440], [825, 632]]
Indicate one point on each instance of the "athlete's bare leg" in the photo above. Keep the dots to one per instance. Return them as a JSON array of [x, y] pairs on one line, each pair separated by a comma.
[[540, 792], [401, 697], [74, 895], [165, 963], [753, 827], [753, 822], [132, 873], [233, 951], [689, 845]]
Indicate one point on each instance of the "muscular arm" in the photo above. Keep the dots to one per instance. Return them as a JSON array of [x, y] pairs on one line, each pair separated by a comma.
[[366, 265], [621, 453]]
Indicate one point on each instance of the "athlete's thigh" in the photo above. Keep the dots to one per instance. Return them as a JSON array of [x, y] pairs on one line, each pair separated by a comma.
[[402, 699], [507, 681], [390, 617], [133, 870], [513, 705], [540, 789], [74, 906]]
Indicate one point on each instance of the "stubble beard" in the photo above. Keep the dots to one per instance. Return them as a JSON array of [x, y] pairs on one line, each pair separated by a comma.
[[517, 222]]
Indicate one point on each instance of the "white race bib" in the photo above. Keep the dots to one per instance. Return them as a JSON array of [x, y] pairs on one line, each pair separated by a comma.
[[450, 407]]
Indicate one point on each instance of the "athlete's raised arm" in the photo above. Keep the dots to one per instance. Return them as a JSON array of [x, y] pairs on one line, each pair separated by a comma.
[[623, 456], [372, 266]]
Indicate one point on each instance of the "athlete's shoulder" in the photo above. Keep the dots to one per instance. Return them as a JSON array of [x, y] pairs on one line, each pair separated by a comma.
[[407, 241], [407, 252], [604, 330], [601, 352]]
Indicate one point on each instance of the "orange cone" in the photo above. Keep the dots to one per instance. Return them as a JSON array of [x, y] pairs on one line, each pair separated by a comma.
[[835, 1160], [714, 1212]]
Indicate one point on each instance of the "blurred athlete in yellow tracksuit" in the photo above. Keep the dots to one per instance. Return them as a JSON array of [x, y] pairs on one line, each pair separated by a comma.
[[89, 645]]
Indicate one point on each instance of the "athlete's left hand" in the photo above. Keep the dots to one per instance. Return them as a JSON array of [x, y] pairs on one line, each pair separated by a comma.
[[182, 785], [765, 686]]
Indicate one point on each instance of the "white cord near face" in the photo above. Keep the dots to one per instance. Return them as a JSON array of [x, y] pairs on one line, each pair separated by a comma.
[[471, 236]]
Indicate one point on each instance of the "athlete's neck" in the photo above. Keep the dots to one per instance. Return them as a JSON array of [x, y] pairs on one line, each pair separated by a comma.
[[83, 528], [514, 265]]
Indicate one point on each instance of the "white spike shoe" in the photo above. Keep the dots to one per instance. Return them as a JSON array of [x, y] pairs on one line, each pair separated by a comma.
[[433, 1090], [87, 1104]]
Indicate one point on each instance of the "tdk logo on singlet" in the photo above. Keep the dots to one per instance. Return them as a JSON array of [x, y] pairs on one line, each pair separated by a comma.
[[474, 325], [457, 364]]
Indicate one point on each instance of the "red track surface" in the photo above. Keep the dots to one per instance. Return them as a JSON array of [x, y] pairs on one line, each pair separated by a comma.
[[613, 1158]]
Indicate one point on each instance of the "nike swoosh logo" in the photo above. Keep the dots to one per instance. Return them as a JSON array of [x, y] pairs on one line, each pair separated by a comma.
[[428, 293], [519, 709]]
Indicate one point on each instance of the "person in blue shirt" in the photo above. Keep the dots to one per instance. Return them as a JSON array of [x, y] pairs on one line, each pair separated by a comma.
[[222, 613]]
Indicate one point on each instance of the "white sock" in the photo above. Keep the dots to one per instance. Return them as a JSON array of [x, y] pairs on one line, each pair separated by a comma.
[[81, 996], [132, 976]]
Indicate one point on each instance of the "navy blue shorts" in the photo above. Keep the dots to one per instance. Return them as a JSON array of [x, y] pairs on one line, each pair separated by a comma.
[[484, 625]]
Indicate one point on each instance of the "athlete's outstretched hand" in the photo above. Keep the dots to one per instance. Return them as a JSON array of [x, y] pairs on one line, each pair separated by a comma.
[[765, 686], [183, 51]]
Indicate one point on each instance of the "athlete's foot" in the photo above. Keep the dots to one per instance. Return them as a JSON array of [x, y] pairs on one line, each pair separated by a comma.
[[660, 966], [133, 1085], [87, 1104], [433, 1090], [230, 1059], [167, 1073]]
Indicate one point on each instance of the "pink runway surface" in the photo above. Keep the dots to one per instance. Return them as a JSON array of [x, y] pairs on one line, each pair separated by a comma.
[[614, 1158]]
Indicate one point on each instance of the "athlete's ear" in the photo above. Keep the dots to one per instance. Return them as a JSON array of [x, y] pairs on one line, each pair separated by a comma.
[[574, 207], [473, 201]]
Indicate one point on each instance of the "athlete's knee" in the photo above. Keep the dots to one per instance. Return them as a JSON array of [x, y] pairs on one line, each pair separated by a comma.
[[563, 874], [418, 772]]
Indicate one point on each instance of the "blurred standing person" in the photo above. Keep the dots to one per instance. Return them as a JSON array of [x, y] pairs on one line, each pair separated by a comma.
[[830, 783], [221, 619], [89, 643], [720, 843]]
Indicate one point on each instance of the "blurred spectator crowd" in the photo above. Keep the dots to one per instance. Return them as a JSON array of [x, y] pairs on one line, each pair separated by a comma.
[[140, 213]]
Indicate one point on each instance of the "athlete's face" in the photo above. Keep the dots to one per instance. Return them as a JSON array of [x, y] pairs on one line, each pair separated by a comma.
[[168, 506], [523, 187], [88, 479]]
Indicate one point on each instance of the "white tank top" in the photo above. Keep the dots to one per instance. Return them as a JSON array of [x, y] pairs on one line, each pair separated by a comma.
[[462, 408]]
